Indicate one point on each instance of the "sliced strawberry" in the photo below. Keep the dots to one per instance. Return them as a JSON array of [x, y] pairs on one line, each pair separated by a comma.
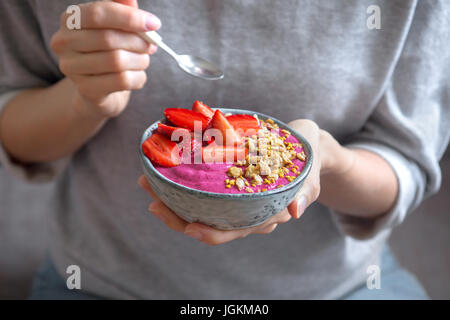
[[203, 109], [159, 149], [192, 143], [185, 118], [220, 122], [168, 130], [247, 123], [209, 140], [195, 145], [214, 153]]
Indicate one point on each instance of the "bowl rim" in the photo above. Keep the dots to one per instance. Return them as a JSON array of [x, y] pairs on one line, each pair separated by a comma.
[[250, 196]]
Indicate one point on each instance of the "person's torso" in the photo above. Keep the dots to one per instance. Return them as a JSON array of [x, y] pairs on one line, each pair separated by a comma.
[[288, 59]]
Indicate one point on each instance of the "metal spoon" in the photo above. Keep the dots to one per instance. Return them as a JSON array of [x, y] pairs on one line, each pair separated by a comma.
[[195, 66]]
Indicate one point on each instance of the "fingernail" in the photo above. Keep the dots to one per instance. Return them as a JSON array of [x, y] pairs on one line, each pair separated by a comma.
[[301, 206], [152, 23], [152, 49], [194, 234], [152, 206]]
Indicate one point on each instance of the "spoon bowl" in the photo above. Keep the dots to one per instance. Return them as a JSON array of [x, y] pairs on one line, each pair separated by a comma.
[[199, 67], [192, 65], [195, 66]]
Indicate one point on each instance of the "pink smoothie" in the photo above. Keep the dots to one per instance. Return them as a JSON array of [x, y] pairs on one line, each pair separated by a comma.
[[211, 176]]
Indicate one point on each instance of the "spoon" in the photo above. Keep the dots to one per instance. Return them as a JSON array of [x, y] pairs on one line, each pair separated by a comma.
[[195, 66]]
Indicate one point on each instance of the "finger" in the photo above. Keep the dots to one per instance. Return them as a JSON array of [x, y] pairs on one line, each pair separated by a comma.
[[104, 62], [214, 236], [153, 49], [281, 217], [131, 3], [111, 15], [95, 88], [268, 229], [308, 193], [297, 207], [167, 216], [94, 40], [311, 187]]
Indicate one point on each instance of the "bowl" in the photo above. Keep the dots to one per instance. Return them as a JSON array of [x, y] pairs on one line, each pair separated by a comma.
[[225, 211]]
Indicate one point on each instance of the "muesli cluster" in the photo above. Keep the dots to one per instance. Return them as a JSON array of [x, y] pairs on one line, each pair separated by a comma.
[[270, 157]]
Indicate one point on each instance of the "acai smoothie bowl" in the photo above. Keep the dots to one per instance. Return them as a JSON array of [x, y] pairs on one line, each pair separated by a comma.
[[226, 168]]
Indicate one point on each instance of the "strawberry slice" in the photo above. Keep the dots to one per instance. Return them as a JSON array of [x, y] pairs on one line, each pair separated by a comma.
[[167, 130], [185, 118], [247, 123], [220, 122], [214, 153], [192, 146], [202, 108], [195, 145], [159, 149], [209, 140]]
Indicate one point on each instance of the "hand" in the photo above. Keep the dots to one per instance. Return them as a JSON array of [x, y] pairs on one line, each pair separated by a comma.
[[327, 153], [323, 145], [106, 58]]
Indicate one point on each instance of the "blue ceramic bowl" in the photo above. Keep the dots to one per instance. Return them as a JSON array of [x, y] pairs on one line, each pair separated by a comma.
[[224, 210]]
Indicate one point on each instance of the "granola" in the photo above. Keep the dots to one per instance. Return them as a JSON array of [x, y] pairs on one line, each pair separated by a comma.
[[234, 172], [270, 157]]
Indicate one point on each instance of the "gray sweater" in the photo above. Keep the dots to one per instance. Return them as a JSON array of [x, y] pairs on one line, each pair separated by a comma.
[[384, 90]]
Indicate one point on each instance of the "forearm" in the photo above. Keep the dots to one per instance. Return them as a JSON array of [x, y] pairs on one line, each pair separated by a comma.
[[46, 124], [362, 184], [103, 62]]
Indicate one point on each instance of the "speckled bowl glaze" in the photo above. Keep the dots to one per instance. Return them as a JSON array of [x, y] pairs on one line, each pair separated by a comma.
[[224, 211]]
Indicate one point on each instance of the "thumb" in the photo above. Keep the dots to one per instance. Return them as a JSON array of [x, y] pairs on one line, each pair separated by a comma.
[[131, 3]]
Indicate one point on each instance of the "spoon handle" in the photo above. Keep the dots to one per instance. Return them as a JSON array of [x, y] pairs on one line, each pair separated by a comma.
[[156, 39], [152, 36]]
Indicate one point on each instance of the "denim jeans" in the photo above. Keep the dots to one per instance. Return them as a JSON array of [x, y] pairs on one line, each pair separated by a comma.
[[396, 283]]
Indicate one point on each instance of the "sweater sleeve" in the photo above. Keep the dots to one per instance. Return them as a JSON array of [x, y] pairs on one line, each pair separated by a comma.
[[22, 68], [410, 126]]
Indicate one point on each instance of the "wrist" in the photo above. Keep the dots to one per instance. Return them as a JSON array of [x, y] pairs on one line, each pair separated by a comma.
[[85, 110], [335, 158]]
